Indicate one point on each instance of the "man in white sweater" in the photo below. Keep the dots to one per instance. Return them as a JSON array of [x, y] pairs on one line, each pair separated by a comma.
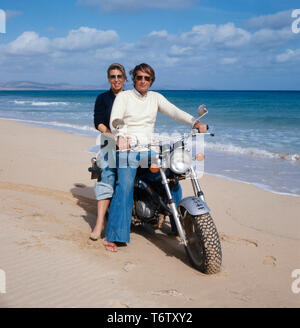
[[138, 109]]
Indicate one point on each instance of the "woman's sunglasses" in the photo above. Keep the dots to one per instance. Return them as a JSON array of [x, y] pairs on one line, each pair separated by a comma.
[[140, 77], [119, 77]]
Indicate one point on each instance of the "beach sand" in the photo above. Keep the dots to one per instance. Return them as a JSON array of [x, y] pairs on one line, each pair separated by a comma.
[[48, 210]]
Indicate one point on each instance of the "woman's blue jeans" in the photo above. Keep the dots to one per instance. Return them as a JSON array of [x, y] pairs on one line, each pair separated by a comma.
[[104, 188]]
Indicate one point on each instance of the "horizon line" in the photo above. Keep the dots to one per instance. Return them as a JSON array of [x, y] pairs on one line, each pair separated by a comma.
[[158, 89]]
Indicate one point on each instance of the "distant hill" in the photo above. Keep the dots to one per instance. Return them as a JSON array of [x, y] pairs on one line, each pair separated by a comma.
[[28, 85]]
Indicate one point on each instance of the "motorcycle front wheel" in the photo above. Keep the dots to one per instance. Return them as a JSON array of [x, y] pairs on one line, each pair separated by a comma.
[[203, 243]]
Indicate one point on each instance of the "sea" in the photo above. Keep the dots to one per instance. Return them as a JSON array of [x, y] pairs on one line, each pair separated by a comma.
[[256, 133]]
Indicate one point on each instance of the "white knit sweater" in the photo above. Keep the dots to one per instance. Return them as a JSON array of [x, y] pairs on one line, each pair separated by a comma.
[[139, 113]]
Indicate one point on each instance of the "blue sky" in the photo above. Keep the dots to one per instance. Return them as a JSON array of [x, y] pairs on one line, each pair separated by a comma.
[[191, 44]]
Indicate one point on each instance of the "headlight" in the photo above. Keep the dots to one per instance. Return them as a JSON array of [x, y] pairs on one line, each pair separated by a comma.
[[180, 161]]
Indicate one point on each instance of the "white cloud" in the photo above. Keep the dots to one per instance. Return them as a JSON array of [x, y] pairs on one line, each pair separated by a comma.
[[223, 36], [200, 35], [288, 55], [228, 61], [109, 54], [274, 21], [231, 36], [179, 51], [28, 43], [162, 33], [268, 38], [136, 5], [85, 38]]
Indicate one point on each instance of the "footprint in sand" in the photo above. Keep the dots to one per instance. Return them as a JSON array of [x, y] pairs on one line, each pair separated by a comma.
[[117, 304], [270, 260], [232, 239], [171, 292], [128, 266]]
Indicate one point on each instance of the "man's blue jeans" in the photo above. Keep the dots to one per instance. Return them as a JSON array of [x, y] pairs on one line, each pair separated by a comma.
[[120, 212]]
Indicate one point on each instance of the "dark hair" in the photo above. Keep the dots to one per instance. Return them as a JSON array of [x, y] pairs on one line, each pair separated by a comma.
[[118, 67], [144, 68]]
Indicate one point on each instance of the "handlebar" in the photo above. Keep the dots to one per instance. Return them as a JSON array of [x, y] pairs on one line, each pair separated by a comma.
[[194, 132]]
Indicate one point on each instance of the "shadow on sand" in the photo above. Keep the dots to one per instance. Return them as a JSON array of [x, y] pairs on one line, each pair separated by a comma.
[[169, 245]]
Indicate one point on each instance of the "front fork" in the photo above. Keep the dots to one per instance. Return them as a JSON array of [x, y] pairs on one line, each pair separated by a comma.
[[196, 186], [198, 192], [173, 207]]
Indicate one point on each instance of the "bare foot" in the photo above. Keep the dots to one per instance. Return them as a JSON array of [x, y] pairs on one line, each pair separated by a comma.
[[95, 236]]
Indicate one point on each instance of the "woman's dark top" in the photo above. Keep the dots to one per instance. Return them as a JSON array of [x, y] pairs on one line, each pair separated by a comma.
[[102, 109]]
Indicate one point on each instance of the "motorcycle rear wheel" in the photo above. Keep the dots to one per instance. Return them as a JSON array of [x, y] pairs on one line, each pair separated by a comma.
[[203, 243]]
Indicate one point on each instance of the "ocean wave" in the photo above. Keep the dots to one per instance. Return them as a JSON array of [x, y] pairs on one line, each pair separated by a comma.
[[40, 103], [64, 126], [229, 148], [259, 185], [72, 126]]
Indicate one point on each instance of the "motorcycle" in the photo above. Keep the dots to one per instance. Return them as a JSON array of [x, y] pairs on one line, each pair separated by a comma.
[[154, 203]]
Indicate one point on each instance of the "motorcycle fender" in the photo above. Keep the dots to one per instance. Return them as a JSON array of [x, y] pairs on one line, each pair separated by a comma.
[[194, 205]]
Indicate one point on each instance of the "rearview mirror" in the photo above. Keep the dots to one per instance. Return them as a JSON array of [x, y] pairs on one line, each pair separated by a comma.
[[202, 110]]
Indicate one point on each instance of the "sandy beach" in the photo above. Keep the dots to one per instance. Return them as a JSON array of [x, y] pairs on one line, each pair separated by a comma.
[[48, 210]]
